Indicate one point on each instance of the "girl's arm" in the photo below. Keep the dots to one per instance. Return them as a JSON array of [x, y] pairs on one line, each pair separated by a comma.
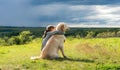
[[57, 33]]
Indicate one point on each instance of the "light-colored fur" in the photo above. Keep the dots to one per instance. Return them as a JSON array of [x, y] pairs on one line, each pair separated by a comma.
[[54, 44]]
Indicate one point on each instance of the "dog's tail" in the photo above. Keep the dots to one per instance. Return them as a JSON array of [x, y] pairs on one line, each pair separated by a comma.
[[35, 57]]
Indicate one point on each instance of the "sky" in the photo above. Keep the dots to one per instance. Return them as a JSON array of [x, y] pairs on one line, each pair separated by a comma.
[[75, 13]]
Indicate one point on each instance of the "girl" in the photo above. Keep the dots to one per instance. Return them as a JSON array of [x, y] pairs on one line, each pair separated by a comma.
[[50, 30]]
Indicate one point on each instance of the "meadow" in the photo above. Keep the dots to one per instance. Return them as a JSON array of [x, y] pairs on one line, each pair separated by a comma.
[[82, 53]]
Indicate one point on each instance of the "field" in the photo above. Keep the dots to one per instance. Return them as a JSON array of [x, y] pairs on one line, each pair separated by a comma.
[[83, 54]]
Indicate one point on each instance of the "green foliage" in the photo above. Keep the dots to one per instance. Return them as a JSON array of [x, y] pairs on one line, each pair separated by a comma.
[[75, 32], [14, 31], [78, 36], [2, 41], [14, 40], [93, 32], [106, 34], [118, 34], [90, 34], [23, 38]]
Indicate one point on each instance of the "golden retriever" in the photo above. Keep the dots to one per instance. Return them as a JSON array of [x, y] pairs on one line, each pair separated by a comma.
[[54, 44]]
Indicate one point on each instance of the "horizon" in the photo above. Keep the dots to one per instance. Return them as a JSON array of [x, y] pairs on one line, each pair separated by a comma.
[[82, 26]]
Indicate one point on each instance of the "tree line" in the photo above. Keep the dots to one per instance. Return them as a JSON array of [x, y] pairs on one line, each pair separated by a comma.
[[23, 35], [93, 32]]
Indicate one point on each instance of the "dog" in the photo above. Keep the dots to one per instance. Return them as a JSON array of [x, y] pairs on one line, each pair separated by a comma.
[[54, 44]]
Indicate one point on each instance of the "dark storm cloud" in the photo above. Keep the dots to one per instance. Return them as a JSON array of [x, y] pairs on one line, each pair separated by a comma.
[[75, 2], [44, 12]]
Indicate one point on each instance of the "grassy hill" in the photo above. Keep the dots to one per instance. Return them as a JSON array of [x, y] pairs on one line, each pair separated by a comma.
[[84, 54]]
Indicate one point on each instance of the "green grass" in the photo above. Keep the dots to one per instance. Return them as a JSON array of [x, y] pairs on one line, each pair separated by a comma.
[[83, 54]]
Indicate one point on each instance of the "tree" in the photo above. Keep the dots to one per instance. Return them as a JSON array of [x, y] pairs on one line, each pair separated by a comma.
[[2, 41], [14, 40], [25, 37], [90, 34], [118, 34], [106, 34]]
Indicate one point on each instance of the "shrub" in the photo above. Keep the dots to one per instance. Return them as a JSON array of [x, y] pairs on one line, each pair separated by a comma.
[[78, 36], [90, 34], [25, 37], [106, 34], [14, 40], [2, 41], [118, 34]]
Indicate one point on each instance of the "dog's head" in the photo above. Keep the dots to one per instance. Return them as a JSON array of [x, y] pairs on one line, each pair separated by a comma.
[[62, 27]]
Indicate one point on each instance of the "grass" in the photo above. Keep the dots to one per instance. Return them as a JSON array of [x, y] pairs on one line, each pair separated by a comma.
[[83, 54]]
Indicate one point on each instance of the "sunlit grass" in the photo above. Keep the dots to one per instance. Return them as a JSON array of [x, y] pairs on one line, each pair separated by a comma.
[[84, 54]]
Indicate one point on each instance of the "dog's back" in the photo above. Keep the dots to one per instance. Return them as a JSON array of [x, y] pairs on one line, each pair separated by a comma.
[[52, 46]]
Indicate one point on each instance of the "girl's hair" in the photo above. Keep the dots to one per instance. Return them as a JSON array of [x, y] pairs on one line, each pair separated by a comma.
[[48, 28]]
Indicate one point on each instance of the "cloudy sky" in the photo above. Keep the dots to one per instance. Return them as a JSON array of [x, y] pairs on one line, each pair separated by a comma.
[[36, 13]]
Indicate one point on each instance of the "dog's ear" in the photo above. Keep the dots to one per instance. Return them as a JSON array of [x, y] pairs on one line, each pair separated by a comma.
[[62, 27]]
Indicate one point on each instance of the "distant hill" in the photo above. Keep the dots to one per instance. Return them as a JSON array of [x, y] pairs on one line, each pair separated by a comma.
[[13, 31], [38, 31]]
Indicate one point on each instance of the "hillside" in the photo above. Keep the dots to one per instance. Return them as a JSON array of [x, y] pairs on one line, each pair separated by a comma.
[[83, 54]]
